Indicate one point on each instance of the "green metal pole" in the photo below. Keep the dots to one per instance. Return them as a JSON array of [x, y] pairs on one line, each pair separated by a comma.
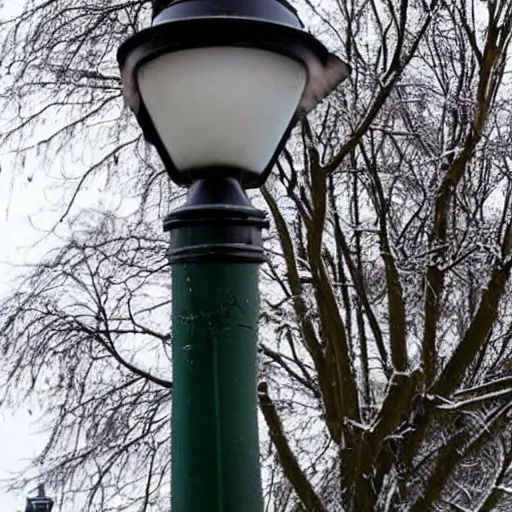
[[215, 255]]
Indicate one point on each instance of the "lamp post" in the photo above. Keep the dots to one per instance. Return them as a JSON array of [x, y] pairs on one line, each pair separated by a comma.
[[217, 86], [40, 503]]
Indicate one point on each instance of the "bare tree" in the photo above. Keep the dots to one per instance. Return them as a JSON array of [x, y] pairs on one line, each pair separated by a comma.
[[91, 343], [385, 356]]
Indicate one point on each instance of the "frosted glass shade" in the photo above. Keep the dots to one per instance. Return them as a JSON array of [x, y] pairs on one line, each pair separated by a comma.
[[221, 106]]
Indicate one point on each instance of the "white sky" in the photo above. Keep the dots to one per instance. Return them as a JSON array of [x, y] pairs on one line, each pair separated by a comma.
[[20, 201], [18, 438]]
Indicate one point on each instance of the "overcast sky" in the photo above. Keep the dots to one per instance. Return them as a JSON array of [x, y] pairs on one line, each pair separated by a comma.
[[18, 199]]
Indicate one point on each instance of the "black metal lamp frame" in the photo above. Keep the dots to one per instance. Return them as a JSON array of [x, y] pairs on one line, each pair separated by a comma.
[[263, 24]]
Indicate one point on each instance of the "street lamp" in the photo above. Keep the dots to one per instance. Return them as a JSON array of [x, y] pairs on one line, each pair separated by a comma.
[[40, 503], [217, 86]]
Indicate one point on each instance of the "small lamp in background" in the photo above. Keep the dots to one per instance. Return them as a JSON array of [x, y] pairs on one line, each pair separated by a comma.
[[40, 503]]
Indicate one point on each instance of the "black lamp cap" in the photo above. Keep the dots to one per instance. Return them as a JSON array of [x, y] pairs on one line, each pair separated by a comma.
[[277, 11]]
